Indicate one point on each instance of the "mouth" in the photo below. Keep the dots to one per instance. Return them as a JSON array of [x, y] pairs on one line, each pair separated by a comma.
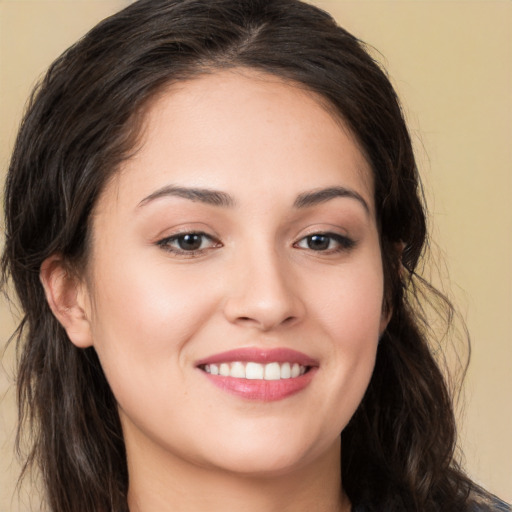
[[257, 374], [256, 371]]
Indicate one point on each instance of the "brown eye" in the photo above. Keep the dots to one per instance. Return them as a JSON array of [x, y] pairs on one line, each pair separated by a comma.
[[188, 243], [318, 242], [325, 242]]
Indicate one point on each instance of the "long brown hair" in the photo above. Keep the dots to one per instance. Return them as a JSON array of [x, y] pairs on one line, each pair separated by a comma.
[[84, 119]]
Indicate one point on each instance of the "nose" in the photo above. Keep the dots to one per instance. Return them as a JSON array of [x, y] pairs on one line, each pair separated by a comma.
[[263, 293]]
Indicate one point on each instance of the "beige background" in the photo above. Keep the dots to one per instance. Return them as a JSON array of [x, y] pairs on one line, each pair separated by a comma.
[[451, 62]]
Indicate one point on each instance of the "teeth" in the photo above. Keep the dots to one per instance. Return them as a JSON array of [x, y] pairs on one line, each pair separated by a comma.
[[237, 370], [256, 371], [286, 371], [253, 371], [272, 371]]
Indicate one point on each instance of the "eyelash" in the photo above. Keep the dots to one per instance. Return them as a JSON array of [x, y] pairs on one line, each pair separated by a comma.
[[343, 243], [166, 244]]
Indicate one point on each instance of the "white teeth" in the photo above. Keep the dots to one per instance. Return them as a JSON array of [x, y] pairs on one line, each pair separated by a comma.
[[256, 371], [272, 371], [253, 371], [237, 370]]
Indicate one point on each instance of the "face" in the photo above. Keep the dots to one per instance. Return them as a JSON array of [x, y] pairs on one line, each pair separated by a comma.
[[234, 292]]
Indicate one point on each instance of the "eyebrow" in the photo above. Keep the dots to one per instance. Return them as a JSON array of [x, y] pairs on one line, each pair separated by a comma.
[[222, 199], [203, 195], [315, 197]]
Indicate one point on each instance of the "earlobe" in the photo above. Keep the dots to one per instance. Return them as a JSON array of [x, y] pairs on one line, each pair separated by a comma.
[[387, 308], [66, 295], [384, 319]]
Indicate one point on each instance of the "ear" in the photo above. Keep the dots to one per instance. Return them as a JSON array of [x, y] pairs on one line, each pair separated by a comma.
[[385, 317], [68, 299], [387, 309]]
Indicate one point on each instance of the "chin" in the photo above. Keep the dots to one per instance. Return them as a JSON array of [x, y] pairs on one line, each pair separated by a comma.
[[262, 465], [264, 457]]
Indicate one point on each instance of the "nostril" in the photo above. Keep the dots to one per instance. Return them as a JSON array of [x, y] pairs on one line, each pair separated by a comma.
[[287, 320]]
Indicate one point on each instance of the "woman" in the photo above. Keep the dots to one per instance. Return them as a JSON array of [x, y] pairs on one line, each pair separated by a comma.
[[213, 224]]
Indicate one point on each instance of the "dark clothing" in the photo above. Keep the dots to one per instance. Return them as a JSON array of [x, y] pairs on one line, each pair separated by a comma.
[[496, 506]]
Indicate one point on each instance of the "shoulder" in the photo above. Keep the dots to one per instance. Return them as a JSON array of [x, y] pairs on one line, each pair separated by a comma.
[[478, 505], [494, 505], [484, 501]]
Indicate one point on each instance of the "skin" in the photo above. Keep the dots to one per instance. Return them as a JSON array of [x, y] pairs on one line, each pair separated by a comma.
[[151, 312]]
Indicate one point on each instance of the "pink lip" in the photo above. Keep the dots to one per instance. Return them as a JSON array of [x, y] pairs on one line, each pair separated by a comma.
[[260, 355], [262, 390]]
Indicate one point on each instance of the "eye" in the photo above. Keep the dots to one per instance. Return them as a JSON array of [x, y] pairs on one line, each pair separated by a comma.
[[325, 242], [188, 244]]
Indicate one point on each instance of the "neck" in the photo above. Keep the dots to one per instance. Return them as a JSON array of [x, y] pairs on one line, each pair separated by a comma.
[[177, 485]]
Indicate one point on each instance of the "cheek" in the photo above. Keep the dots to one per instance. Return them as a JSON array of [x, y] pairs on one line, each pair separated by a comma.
[[142, 319], [348, 308], [349, 302]]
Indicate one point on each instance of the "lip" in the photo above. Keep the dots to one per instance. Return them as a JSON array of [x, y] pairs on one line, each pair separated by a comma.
[[261, 390], [260, 355]]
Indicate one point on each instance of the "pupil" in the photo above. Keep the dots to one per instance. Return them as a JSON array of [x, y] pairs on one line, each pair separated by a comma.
[[190, 242], [318, 242]]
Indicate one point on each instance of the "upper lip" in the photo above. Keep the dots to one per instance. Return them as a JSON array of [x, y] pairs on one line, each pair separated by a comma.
[[259, 355]]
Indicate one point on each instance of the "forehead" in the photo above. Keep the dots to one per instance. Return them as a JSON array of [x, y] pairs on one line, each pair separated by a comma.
[[242, 129]]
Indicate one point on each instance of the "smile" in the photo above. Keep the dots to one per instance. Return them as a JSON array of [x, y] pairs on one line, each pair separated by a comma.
[[256, 371], [260, 374]]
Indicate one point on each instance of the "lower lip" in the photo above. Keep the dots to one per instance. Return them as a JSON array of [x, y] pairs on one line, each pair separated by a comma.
[[262, 390]]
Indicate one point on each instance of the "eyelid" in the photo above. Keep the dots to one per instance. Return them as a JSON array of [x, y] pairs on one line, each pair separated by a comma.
[[170, 243], [345, 243], [165, 243]]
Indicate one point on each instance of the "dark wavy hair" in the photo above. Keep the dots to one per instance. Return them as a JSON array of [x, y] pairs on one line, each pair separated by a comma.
[[85, 118]]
